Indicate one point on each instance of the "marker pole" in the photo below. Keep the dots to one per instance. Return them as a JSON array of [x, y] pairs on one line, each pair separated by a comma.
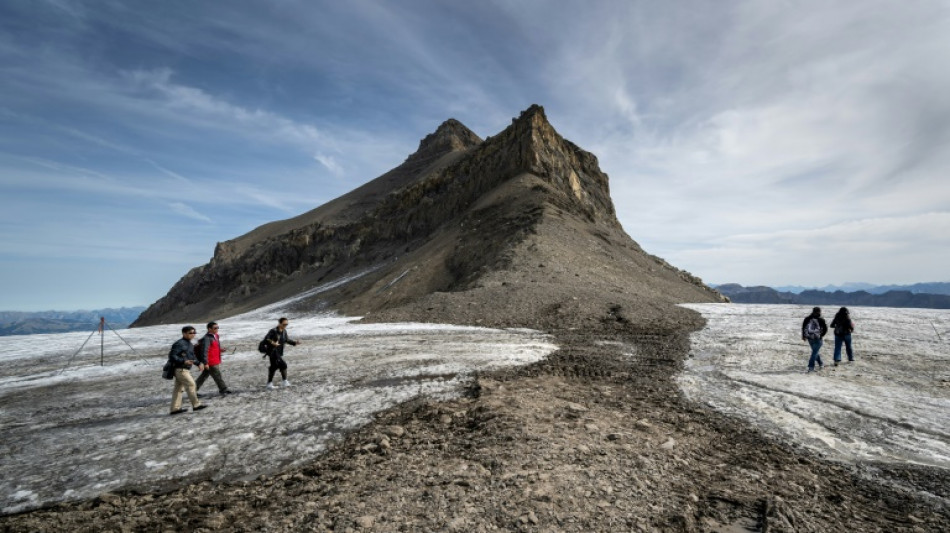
[[102, 340]]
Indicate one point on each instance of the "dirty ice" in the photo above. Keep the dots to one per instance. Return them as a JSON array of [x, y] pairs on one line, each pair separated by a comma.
[[71, 429], [891, 405]]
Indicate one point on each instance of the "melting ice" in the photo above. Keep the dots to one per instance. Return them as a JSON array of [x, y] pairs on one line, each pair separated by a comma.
[[74, 433], [892, 404]]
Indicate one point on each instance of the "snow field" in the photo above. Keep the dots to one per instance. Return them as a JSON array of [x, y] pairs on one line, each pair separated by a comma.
[[891, 405], [76, 433]]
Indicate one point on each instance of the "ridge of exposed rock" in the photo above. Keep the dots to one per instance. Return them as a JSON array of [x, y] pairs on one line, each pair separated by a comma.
[[450, 136], [541, 151]]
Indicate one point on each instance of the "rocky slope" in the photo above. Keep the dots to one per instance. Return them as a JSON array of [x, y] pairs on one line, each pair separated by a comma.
[[456, 215]]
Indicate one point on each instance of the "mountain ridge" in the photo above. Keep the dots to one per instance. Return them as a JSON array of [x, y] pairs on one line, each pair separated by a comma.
[[454, 212], [927, 287], [767, 295], [34, 322]]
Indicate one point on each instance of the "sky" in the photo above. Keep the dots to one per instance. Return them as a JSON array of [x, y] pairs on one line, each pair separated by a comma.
[[776, 143]]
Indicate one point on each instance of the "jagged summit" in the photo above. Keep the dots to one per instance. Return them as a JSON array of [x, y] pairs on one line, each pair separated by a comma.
[[460, 218], [534, 114], [538, 149], [450, 136]]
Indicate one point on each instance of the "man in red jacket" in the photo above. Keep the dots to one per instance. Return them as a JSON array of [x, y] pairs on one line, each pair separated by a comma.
[[209, 354]]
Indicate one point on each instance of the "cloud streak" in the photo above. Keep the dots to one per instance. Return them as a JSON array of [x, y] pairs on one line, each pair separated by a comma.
[[188, 211]]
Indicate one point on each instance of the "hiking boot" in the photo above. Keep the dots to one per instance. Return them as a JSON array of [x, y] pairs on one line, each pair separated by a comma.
[[201, 395], [269, 386], [286, 383], [178, 411], [836, 363], [225, 391], [200, 407]]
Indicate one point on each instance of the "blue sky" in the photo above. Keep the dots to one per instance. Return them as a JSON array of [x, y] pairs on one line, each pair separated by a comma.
[[777, 143]]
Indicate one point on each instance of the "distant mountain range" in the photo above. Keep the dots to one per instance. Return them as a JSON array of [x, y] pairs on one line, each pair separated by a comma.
[[939, 287], [29, 323], [890, 298]]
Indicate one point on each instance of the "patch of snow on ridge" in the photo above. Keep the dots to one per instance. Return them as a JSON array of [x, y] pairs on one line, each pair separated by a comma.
[[73, 434], [892, 404]]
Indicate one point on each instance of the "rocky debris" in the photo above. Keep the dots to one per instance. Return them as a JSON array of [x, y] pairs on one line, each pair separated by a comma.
[[365, 522]]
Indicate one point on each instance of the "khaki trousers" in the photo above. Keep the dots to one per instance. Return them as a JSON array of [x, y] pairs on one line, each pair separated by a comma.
[[184, 381]]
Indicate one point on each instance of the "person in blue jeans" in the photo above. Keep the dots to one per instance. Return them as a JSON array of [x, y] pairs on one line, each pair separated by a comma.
[[814, 329], [843, 327]]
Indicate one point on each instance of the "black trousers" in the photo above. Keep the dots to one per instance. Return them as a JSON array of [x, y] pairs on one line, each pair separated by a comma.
[[215, 375], [276, 363]]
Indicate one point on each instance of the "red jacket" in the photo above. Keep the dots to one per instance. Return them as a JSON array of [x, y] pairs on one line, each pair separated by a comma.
[[211, 348]]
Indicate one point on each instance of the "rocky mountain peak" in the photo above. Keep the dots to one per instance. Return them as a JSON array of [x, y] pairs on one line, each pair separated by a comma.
[[450, 136], [455, 212], [532, 145], [533, 117]]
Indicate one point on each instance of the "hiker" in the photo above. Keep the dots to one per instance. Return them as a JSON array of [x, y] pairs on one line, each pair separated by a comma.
[[813, 330], [209, 353], [181, 357], [276, 339], [843, 327]]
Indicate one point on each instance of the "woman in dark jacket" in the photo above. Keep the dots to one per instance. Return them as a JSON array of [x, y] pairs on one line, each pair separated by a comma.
[[843, 326]]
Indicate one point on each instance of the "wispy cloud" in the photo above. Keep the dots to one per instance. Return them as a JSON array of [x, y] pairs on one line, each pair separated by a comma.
[[907, 248], [330, 163], [717, 120], [188, 211], [169, 173], [195, 103]]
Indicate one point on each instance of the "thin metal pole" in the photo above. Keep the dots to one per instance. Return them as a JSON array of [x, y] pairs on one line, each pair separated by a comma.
[[102, 340], [933, 366]]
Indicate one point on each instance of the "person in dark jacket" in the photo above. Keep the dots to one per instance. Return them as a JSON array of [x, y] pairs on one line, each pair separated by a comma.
[[182, 356], [843, 326], [209, 353], [814, 330], [277, 338]]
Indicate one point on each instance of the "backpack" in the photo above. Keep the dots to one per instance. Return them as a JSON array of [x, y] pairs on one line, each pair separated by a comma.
[[264, 346], [841, 328], [200, 350], [813, 329]]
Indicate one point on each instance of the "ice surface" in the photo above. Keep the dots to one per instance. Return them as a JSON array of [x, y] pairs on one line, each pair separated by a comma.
[[892, 404], [73, 434]]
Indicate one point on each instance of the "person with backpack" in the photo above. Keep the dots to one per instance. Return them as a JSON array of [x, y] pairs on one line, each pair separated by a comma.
[[843, 327], [209, 353], [813, 330], [274, 343], [180, 358]]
